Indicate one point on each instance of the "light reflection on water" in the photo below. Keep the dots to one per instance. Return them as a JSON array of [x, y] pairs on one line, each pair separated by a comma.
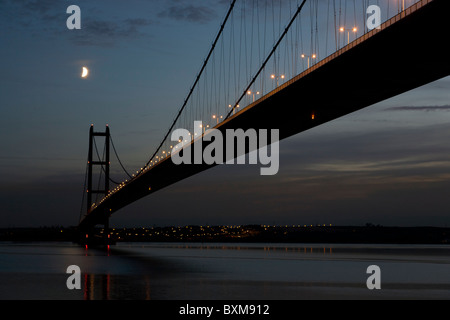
[[223, 271]]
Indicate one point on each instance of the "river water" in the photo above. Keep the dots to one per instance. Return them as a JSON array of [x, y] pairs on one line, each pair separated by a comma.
[[216, 271]]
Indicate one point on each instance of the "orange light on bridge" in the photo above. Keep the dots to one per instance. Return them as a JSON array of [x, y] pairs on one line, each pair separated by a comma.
[[313, 116], [273, 76], [343, 29], [308, 57]]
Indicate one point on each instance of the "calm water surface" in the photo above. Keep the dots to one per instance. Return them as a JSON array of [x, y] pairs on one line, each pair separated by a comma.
[[166, 271]]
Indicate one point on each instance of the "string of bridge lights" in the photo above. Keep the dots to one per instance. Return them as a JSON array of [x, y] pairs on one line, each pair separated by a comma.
[[252, 96]]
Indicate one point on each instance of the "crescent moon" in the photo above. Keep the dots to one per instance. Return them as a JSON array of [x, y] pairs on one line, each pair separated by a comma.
[[85, 72]]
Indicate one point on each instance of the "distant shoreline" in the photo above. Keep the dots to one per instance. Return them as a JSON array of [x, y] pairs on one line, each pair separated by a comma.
[[368, 234]]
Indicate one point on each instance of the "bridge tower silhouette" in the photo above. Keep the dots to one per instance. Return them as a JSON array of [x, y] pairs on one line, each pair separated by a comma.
[[104, 164], [88, 235]]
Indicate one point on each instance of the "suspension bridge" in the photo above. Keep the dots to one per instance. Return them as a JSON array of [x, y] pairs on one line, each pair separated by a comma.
[[286, 65]]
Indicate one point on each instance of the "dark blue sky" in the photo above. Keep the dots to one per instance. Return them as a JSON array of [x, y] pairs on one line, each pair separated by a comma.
[[387, 164]]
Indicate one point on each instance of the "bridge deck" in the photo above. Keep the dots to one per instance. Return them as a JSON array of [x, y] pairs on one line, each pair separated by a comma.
[[409, 51]]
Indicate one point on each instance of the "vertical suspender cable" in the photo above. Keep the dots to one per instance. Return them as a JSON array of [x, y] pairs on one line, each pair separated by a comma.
[[193, 86], [299, 9]]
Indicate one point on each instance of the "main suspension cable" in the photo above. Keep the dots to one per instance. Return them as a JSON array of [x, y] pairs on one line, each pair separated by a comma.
[[222, 26], [117, 156]]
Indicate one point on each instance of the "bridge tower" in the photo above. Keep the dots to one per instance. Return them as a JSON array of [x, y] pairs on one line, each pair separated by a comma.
[[91, 163], [104, 165]]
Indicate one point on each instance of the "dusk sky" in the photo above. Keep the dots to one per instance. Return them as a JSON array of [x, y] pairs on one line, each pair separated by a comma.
[[388, 164]]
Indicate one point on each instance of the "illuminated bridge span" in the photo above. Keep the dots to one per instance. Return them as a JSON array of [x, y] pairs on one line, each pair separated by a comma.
[[291, 65]]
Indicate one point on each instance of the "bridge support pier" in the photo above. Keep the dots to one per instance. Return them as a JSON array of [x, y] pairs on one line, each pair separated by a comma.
[[106, 234], [92, 237]]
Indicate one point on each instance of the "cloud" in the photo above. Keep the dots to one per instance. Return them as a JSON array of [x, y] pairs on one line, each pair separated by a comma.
[[99, 26], [189, 12], [108, 32], [388, 155], [420, 108], [33, 6], [32, 15]]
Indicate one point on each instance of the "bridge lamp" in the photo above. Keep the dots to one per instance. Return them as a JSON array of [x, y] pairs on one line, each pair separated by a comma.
[[234, 110], [354, 30], [217, 118], [277, 77], [303, 56], [253, 93], [204, 127]]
